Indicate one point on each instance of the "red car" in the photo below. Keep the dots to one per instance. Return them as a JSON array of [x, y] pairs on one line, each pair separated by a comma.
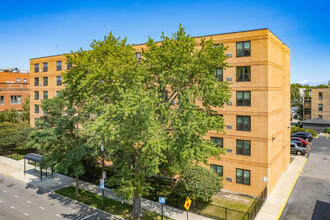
[[303, 142]]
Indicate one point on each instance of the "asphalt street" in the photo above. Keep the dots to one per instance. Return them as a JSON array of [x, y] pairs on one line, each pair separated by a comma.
[[310, 197], [21, 201]]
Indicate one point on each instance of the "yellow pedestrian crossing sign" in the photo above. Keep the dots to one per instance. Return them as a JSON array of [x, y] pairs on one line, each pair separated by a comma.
[[187, 203]]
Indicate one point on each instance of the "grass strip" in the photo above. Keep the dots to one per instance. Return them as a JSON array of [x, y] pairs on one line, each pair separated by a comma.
[[110, 205]]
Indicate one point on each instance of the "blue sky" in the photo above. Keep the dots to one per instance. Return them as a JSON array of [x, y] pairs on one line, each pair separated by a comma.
[[30, 29]]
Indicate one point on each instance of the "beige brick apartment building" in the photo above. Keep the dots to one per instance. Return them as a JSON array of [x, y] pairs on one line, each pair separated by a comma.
[[257, 133]]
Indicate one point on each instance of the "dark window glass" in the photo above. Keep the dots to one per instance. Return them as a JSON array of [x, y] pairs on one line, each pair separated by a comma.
[[243, 49], [138, 56], [45, 94], [36, 95], [59, 65], [243, 123], [36, 108], [45, 67], [24, 80], [320, 107], [217, 141], [58, 80], [320, 95], [36, 81], [2, 100], [45, 81], [243, 73], [15, 99], [69, 65], [219, 74], [320, 117], [243, 98], [243, 176], [217, 168], [36, 67], [243, 147]]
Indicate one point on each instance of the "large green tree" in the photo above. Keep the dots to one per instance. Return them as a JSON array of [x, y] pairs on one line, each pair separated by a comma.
[[60, 140], [153, 114], [295, 95]]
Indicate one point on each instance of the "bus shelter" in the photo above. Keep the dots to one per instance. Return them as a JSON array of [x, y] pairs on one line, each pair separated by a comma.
[[36, 158]]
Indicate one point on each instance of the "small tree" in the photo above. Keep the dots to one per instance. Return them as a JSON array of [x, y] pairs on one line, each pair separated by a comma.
[[198, 183], [60, 140]]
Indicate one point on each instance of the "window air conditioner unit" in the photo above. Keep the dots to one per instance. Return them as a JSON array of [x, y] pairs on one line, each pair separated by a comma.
[[229, 79], [230, 103], [229, 179], [40, 70], [40, 84], [229, 150], [230, 55], [229, 127], [63, 68]]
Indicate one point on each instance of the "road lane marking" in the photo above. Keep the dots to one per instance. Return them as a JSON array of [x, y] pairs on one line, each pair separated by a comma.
[[58, 215], [89, 216], [1, 201], [28, 201], [5, 191], [42, 207], [26, 214], [12, 207], [16, 196]]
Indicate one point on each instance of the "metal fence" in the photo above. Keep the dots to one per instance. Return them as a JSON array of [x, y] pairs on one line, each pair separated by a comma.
[[256, 206], [14, 154]]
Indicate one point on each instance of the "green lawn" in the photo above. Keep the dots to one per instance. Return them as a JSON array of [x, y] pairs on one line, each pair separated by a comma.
[[110, 205]]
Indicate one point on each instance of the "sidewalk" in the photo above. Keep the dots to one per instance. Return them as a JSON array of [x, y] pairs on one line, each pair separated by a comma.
[[15, 169], [276, 201]]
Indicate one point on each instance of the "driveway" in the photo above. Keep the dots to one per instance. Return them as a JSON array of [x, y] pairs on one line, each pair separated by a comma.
[[310, 198]]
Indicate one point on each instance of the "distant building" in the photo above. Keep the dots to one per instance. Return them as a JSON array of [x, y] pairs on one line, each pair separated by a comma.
[[320, 106], [257, 118], [14, 89], [320, 125]]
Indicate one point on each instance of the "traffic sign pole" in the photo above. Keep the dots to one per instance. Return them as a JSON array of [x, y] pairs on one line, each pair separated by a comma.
[[187, 214], [162, 211]]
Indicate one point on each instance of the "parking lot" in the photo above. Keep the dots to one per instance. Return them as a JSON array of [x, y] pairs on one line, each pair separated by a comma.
[[310, 198]]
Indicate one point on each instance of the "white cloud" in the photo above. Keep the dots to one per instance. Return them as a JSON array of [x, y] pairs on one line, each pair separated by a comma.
[[303, 81]]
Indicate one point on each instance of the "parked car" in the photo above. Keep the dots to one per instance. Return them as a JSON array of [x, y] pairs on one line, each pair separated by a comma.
[[294, 149], [299, 144], [304, 143], [303, 135]]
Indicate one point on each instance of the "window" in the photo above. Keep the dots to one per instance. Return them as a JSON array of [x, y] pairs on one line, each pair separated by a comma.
[[320, 117], [218, 169], [320, 107], [45, 95], [69, 65], [36, 108], [2, 98], [243, 49], [45, 67], [320, 95], [243, 123], [36, 95], [217, 141], [219, 74], [243, 176], [36, 81], [243, 73], [243, 98], [18, 80], [45, 81], [243, 147], [138, 56], [15, 99], [36, 67], [24, 80], [59, 65], [59, 80]]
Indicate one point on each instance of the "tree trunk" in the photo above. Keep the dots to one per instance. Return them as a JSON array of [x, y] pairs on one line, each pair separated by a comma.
[[77, 191], [137, 208]]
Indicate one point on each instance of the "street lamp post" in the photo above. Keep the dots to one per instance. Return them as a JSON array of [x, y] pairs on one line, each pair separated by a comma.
[[102, 150]]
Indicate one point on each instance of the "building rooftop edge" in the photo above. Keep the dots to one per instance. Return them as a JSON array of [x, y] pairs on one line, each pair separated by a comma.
[[209, 35]]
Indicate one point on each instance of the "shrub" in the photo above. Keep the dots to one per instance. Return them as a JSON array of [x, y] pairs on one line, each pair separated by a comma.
[[198, 183], [295, 129]]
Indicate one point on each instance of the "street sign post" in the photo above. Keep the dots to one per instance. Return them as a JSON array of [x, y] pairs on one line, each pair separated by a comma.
[[104, 174], [187, 205], [161, 200]]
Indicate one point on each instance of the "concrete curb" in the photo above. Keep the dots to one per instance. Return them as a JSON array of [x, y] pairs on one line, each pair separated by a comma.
[[287, 198]]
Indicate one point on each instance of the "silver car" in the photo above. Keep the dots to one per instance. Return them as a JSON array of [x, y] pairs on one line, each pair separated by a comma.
[[295, 149]]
